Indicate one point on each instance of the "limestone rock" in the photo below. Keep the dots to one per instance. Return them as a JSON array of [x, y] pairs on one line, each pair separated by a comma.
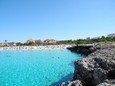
[[96, 69]]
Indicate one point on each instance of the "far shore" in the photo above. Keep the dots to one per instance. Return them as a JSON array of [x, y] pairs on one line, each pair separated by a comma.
[[51, 47], [47, 47]]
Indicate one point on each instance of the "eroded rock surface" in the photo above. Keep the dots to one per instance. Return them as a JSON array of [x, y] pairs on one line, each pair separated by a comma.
[[97, 69]]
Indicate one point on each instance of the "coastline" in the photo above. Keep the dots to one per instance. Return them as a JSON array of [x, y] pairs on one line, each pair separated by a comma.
[[96, 69], [93, 70], [46, 47]]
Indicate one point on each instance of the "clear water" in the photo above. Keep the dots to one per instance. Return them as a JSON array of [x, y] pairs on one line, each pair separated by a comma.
[[36, 68]]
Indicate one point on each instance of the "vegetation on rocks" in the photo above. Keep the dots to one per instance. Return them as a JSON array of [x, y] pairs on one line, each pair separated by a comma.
[[88, 40]]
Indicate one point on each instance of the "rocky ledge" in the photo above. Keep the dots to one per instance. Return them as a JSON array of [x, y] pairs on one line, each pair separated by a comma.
[[96, 69], [83, 49]]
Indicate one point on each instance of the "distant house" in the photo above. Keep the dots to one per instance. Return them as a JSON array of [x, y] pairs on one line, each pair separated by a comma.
[[95, 38], [8, 44], [50, 41], [11, 44], [111, 35], [38, 41], [30, 41], [2, 44]]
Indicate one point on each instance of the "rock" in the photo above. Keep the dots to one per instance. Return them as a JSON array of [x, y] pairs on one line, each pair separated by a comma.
[[104, 84], [99, 75], [73, 83], [82, 49], [63, 84], [108, 83], [96, 69]]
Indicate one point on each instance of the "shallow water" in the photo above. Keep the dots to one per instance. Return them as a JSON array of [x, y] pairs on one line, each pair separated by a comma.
[[36, 68]]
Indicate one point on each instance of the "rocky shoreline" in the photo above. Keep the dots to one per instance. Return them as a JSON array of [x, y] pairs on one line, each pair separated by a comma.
[[96, 69], [86, 50]]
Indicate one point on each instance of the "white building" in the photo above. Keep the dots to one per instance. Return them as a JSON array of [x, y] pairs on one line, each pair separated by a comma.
[[111, 35]]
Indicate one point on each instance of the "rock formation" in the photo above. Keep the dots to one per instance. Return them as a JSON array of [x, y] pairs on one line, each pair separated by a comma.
[[97, 69]]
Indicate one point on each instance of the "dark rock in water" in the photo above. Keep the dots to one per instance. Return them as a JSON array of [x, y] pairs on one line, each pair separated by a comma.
[[72, 83], [64, 80], [97, 69], [71, 64], [63, 84], [82, 49]]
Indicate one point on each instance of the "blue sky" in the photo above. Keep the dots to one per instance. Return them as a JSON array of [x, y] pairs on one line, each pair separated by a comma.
[[58, 19]]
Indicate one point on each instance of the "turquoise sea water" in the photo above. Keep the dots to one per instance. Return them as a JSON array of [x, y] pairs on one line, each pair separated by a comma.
[[36, 68]]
